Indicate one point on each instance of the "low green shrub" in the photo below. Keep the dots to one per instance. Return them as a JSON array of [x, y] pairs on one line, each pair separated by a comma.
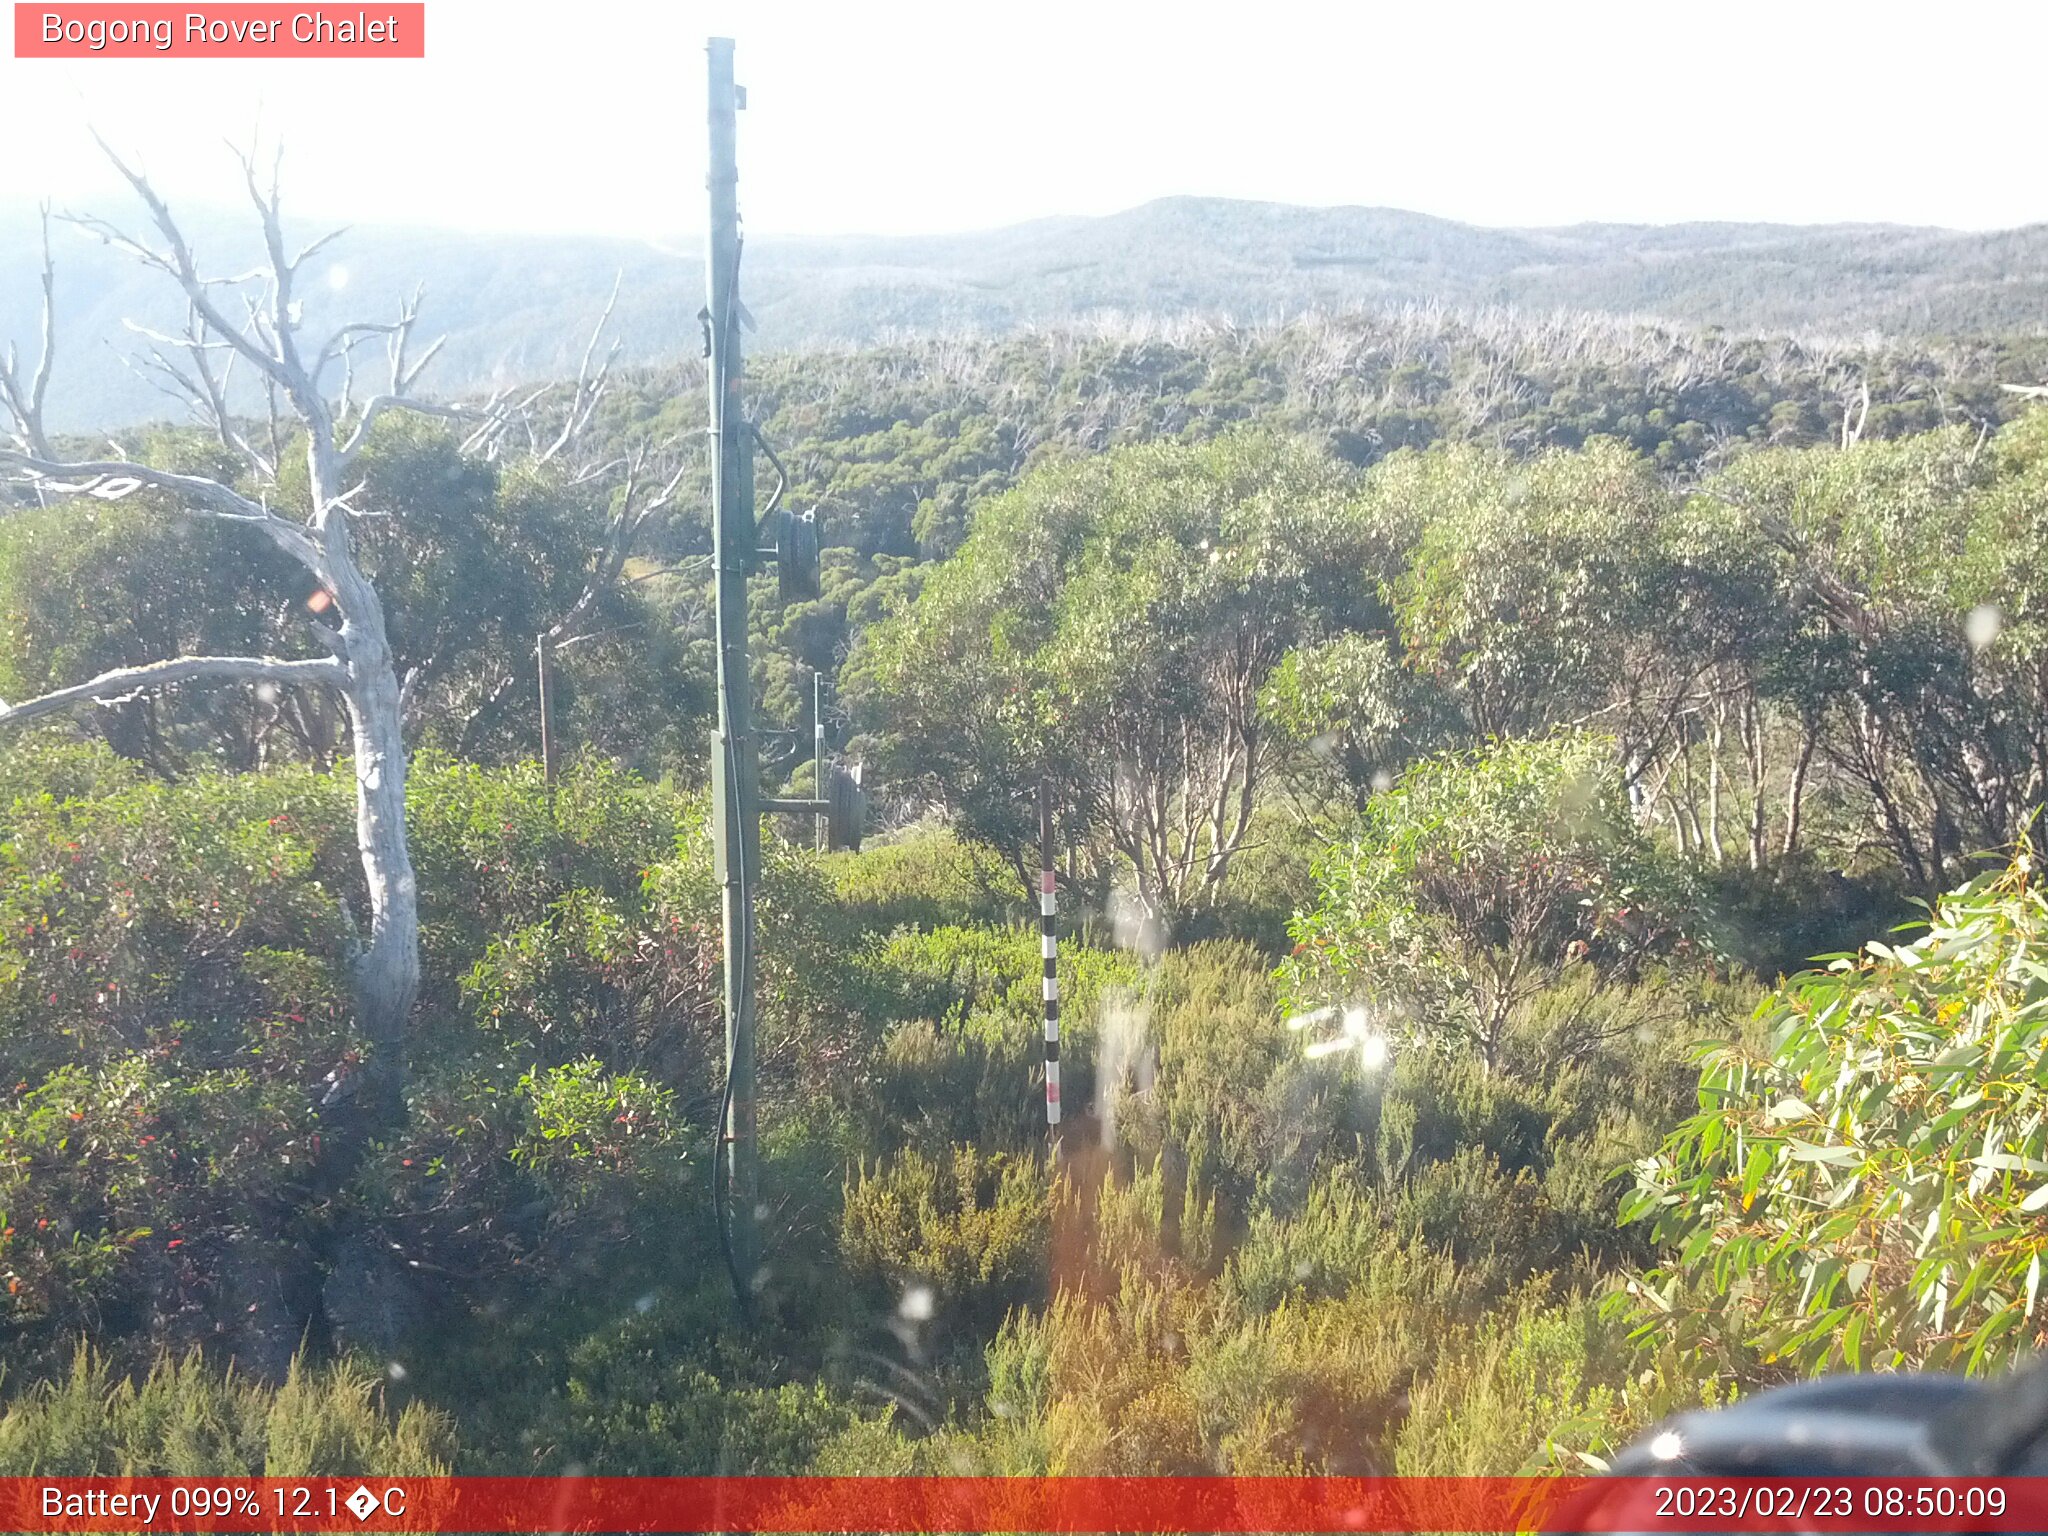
[[958, 1240], [1536, 1386], [928, 878], [186, 1418]]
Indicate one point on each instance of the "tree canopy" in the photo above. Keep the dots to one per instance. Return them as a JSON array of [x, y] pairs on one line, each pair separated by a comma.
[[1110, 625]]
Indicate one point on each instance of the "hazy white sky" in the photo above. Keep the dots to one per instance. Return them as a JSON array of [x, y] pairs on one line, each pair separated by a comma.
[[586, 115]]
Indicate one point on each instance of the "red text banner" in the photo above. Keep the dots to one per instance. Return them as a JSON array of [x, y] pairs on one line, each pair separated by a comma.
[[1057, 1504], [224, 31]]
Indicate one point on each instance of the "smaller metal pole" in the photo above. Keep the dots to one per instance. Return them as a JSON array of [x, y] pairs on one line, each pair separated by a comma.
[[1049, 948], [818, 748], [545, 661]]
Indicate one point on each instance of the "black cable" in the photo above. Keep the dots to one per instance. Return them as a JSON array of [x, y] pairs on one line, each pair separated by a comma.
[[732, 1265], [720, 1206]]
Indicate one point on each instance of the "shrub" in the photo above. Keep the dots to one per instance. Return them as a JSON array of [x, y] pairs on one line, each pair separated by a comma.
[[185, 1418], [928, 878], [960, 1239], [124, 1188], [1864, 1188], [699, 1426], [1330, 1247], [933, 1087], [1165, 1376], [135, 916], [495, 849], [598, 977], [174, 994], [1212, 1013], [1536, 1386], [975, 1067], [595, 1138], [1477, 882]]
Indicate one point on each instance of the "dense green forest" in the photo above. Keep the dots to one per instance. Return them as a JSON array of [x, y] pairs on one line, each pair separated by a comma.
[[1463, 731]]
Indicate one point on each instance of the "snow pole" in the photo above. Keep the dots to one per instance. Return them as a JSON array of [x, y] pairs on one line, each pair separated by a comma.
[[1048, 944]]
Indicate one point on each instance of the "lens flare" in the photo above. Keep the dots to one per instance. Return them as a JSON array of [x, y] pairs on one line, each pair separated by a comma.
[[1356, 1033]]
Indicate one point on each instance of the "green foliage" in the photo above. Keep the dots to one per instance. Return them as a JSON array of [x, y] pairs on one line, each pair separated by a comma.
[[960, 1045], [495, 848], [1350, 710], [173, 991], [171, 981], [1476, 883], [44, 763], [1862, 1189], [595, 975], [1211, 1014], [960, 1239], [1014, 663], [1362, 1237], [1164, 1376], [1520, 578], [120, 584], [598, 1136], [929, 879], [1533, 1388], [185, 1418], [112, 1173], [1921, 558]]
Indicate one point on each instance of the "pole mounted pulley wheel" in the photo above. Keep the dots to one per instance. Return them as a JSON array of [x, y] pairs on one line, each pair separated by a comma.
[[843, 804], [846, 808], [796, 556]]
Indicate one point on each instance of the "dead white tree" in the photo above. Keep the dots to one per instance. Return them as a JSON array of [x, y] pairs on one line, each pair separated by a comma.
[[637, 504], [23, 393], [646, 481], [253, 322]]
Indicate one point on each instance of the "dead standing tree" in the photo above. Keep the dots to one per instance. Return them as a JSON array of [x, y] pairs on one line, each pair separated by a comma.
[[265, 338], [636, 506], [641, 496], [643, 484], [23, 392]]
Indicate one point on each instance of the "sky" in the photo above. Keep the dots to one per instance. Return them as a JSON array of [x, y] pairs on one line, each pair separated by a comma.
[[586, 116]]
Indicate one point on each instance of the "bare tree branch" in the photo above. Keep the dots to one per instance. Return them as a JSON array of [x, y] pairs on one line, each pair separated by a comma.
[[284, 319], [281, 364], [319, 245], [633, 515], [24, 402], [664, 570], [202, 391], [590, 387], [116, 479], [377, 405], [124, 683], [349, 336]]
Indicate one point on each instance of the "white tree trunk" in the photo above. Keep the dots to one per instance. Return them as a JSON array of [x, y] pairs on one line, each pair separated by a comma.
[[386, 968], [387, 972]]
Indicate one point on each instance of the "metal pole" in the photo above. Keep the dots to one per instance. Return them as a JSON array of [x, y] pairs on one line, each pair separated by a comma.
[[818, 748], [544, 662], [736, 825], [1048, 943]]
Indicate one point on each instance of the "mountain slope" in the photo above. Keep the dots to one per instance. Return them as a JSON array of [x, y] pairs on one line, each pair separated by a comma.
[[519, 308]]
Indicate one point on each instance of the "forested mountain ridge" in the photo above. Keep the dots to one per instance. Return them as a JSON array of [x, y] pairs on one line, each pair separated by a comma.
[[518, 307]]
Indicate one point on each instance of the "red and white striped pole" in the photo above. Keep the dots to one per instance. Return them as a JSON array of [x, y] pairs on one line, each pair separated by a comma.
[[1049, 947]]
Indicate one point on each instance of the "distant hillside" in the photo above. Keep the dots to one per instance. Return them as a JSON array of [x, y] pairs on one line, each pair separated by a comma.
[[518, 308]]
